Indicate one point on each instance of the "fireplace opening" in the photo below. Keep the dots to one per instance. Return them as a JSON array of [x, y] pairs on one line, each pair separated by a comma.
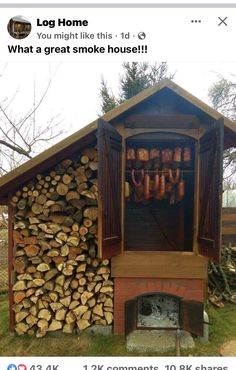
[[158, 311], [163, 311]]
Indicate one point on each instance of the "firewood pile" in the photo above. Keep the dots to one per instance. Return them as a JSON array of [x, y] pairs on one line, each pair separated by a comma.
[[60, 284], [222, 278]]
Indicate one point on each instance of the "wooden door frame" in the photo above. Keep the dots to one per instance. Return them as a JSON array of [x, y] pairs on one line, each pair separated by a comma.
[[126, 134]]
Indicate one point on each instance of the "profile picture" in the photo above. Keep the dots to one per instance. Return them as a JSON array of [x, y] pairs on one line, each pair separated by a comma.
[[19, 27]]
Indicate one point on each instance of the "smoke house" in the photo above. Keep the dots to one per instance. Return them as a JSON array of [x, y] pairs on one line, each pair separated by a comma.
[[115, 225]]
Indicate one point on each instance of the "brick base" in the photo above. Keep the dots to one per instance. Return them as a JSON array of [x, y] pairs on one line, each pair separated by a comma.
[[129, 288]]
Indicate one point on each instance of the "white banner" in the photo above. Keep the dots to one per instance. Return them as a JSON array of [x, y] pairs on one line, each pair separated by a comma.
[[117, 363]]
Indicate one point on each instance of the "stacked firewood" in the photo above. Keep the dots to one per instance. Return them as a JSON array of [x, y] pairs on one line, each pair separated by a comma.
[[222, 278], [60, 284]]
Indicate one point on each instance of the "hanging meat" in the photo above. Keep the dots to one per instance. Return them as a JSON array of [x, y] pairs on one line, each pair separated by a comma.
[[142, 154], [166, 156], [177, 157], [187, 156], [156, 181], [147, 187], [162, 187], [138, 186], [154, 153], [155, 157], [130, 157], [181, 188], [166, 159], [170, 192], [155, 185], [127, 190], [130, 154], [174, 179], [169, 187]]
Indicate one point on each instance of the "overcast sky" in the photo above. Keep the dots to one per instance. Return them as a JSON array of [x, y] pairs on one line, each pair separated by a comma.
[[74, 92]]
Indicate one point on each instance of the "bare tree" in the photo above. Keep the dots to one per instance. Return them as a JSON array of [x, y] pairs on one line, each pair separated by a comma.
[[223, 97], [21, 137]]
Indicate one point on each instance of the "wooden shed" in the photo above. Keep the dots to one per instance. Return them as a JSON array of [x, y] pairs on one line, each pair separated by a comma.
[[19, 27], [116, 223]]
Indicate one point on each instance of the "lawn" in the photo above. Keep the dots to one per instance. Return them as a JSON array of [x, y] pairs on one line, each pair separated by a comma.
[[222, 329]]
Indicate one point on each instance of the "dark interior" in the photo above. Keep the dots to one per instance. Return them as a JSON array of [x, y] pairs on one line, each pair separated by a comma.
[[159, 225]]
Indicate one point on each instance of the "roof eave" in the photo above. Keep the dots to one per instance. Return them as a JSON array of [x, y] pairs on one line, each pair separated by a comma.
[[74, 138]]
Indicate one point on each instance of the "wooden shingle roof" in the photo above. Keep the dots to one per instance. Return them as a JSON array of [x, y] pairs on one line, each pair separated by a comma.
[[51, 156]]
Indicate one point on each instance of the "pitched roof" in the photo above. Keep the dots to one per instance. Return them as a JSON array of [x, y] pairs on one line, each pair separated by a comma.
[[13, 178], [20, 19]]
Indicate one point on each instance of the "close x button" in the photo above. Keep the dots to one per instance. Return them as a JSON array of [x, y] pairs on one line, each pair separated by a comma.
[[222, 21]]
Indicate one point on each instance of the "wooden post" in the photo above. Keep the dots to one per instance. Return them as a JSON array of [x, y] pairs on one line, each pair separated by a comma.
[[10, 266], [196, 198]]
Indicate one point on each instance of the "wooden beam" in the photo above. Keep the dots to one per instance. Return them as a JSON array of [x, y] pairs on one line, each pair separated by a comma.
[[129, 133], [185, 121], [229, 217], [229, 230], [73, 140], [185, 265]]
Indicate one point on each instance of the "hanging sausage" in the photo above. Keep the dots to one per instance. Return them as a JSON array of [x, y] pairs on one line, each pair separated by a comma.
[[174, 180], [177, 157], [130, 158], [156, 184], [141, 156], [155, 157], [166, 159], [147, 193], [154, 153], [166, 183], [127, 190], [166, 156], [162, 187], [187, 157], [169, 187], [138, 186]]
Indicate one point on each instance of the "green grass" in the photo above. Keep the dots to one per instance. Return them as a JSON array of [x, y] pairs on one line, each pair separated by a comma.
[[222, 329]]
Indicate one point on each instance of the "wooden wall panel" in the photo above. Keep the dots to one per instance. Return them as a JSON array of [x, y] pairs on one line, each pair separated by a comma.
[[159, 264]]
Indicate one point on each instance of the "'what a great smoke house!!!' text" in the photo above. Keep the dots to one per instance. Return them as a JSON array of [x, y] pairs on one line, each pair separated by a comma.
[[48, 50], [62, 22]]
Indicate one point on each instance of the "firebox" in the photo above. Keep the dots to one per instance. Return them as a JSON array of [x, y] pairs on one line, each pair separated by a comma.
[[163, 311], [158, 311]]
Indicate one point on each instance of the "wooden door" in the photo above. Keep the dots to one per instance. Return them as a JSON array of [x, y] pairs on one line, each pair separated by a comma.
[[130, 316], [191, 318], [109, 190], [210, 191]]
